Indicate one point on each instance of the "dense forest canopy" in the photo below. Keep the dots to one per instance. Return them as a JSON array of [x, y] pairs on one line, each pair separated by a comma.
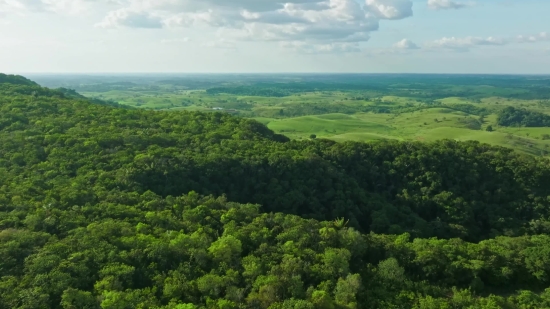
[[105, 207], [511, 116]]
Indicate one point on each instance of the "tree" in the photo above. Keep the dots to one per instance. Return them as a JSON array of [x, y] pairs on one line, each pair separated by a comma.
[[390, 272], [313, 136], [489, 128], [75, 299], [225, 249], [346, 291]]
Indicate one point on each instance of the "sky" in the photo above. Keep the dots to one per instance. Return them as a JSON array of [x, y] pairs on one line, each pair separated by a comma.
[[272, 36]]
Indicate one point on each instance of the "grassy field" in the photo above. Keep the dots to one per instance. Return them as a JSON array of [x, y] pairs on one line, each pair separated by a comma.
[[326, 125], [422, 123], [415, 110], [419, 126]]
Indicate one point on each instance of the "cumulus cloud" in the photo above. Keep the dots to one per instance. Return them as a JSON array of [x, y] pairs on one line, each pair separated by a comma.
[[328, 24], [405, 44], [446, 4], [391, 9], [464, 44], [402, 47], [309, 25]]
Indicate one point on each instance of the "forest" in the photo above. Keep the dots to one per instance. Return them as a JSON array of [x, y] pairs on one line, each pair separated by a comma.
[[104, 206], [511, 116]]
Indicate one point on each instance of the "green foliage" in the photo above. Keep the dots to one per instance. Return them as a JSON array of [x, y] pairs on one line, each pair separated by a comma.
[[511, 116], [16, 80], [103, 207], [252, 91], [87, 152], [471, 123], [320, 108]]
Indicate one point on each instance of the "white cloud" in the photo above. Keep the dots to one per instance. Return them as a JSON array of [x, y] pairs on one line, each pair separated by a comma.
[[402, 47], [543, 36], [328, 24], [464, 44], [446, 4], [132, 19], [405, 44], [391, 9]]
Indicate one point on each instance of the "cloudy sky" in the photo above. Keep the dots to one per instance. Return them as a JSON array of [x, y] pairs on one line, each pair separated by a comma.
[[420, 36]]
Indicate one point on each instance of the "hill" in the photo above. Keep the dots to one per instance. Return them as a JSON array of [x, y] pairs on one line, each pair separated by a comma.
[[108, 207], [386, 187], [16, 80], [406, 107]]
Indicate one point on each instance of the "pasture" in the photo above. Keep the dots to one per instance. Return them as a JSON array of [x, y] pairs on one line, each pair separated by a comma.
[[401, 108]]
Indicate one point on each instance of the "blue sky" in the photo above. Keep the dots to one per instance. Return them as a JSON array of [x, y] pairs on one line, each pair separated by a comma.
[[419, 36]]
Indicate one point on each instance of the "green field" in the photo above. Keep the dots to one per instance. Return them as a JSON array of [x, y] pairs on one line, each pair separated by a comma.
[[410, 126], [401, 108], [326, 126]]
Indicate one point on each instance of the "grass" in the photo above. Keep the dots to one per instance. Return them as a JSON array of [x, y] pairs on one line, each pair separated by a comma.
[[418, 126], [326, 126], [423, 124], [497, 138], [361, 137]]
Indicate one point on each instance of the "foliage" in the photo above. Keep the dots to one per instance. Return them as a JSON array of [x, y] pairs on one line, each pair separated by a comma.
[[16, 80], [104, 207], [398, 103], [445, 189], [511, 116], [469, 109]]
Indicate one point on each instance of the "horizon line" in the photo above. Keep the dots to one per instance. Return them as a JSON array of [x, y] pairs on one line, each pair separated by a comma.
[[271, 73]]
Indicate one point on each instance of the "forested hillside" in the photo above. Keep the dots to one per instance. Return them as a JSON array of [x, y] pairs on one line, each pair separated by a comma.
[[105, 207], [16, 80]]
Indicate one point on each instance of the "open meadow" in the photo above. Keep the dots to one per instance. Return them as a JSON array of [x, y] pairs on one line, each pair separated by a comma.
[[358, 108]]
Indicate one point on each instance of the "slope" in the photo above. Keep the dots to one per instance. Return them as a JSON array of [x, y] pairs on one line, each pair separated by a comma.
[[70, 152]]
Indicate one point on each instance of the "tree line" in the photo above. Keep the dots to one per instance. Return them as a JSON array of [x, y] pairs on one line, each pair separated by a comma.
[[514, 117]]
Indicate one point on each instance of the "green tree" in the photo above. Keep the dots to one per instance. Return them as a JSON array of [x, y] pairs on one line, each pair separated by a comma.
[[226, 249]]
